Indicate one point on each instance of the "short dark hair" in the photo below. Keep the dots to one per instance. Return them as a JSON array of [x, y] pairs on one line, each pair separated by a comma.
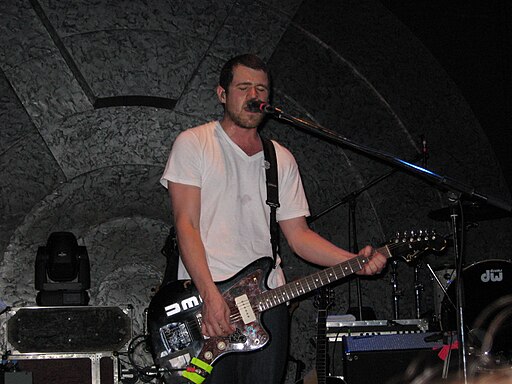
[[249, 60]]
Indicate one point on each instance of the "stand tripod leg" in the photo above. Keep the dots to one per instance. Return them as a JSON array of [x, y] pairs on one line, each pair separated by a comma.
[[396, 291]]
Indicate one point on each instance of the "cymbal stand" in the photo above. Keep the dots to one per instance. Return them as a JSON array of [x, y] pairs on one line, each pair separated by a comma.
[[461, 330], [396, 292], [418, 288]]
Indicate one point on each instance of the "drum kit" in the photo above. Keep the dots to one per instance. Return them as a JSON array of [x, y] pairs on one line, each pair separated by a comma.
[[487, 299]]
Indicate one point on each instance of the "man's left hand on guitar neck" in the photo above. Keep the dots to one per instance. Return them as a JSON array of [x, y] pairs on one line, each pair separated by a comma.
[[376, 263]]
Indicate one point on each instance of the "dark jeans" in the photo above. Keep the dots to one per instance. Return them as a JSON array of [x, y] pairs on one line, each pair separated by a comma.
[[263, 366]]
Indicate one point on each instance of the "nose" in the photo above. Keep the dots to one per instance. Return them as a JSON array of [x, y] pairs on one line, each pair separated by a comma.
[[253, 92]]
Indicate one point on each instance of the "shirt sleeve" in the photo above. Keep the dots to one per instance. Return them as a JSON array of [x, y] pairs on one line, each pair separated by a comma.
[[184, 162]]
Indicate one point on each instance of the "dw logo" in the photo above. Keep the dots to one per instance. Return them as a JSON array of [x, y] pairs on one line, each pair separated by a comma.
[[492, 275]]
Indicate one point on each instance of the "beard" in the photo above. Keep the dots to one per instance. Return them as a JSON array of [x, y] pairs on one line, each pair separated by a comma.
[[248, 121]]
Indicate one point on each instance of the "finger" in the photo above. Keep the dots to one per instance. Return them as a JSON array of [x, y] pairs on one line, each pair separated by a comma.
[[219, 329], [226, 325], [207, 330], [367, 251], [214, 329]]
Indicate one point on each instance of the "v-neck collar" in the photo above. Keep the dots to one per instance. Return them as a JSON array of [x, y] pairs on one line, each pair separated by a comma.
[[235, 146]]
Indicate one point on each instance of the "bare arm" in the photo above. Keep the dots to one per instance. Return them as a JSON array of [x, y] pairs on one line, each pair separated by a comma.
[[186, 206], [314, 248]]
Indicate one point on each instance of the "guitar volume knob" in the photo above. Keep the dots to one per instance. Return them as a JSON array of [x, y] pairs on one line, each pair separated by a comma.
[[221, 345]]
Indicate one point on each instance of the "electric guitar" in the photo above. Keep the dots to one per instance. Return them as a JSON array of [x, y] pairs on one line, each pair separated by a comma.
[[319, 375], [174, 314]]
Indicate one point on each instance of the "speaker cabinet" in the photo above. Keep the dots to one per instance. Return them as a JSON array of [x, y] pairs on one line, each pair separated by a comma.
[[78, 368], [380, 358], [68, 329], [382, 366]]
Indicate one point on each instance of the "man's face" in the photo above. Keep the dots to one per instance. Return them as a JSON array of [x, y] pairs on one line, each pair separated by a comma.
[[248, 84]]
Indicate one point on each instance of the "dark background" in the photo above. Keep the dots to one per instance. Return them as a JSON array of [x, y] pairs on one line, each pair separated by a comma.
[[471, 41]]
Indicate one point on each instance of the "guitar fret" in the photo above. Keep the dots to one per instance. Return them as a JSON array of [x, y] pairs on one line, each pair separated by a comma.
[[288, 292], [328, 277], [322, 277], [309, 287], [328, 274], [385, 251]]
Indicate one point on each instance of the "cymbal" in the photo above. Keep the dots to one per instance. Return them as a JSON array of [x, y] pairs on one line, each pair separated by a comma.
[[472, 212]]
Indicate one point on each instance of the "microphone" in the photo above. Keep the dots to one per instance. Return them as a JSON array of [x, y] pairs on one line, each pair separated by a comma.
[[255, 106], [262, 107]]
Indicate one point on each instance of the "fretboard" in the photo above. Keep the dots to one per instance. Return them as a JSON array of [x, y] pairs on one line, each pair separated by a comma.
[[321, 347], [280, 295]]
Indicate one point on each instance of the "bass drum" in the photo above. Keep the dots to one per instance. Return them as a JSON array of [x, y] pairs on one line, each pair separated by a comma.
[[484, 283]]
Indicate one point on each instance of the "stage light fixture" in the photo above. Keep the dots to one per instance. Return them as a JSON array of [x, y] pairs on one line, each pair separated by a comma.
[[62, 271]]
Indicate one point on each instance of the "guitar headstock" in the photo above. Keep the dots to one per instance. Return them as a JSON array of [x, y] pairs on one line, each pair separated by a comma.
[[409, 245], [324, 299]]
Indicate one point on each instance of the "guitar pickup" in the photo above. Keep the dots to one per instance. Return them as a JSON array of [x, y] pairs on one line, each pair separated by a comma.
[[244, 307]]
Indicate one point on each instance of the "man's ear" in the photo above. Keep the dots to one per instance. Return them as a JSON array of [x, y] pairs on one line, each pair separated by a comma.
[[221, 94]]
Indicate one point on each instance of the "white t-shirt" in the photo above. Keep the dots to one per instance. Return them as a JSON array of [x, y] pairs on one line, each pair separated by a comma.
[[234, 220]]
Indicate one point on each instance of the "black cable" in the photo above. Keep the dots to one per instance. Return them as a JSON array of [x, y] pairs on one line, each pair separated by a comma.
[[143, 373]]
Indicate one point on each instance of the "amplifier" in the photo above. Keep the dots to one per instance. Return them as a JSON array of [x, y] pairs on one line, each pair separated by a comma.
[[388, 355], [402, 341], [337, 328], [67, 329]]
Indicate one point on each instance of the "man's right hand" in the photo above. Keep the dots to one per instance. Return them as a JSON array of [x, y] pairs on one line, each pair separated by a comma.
[[215, 315]]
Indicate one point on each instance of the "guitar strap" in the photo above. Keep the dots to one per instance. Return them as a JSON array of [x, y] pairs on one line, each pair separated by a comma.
[[197, 371], [272, 193]]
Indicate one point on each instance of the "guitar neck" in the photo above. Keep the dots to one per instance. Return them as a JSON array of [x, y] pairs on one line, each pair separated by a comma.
[[280, 295], [321, 346]]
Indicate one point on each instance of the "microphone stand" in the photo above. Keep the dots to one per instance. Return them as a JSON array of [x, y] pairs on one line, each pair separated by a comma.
[[446, 183], [353, 247]]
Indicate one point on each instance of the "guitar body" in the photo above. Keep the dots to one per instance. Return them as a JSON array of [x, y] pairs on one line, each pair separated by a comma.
[[174, 322]]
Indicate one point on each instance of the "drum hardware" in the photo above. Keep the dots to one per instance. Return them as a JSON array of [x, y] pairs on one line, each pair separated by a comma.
[[490, 280], [479, 208], [472, 211], [440, 245], [488, 327], [418, 288], [447, 276], [456, 190], [396, 291]]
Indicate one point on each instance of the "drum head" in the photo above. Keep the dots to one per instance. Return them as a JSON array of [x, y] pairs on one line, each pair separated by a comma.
[[484, 283]]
